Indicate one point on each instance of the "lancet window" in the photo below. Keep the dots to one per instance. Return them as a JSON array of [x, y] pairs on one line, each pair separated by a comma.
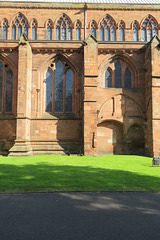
[[135, 31], [107, 31], [34, 29], [49, 29], [64, 28], [6, 88], [121, 31], [78, 30], [149, 28], [5, 29], [59, 89], [93, 28], [19, 25]]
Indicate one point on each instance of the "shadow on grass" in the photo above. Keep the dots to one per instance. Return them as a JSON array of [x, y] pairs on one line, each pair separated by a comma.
[[43, 177]]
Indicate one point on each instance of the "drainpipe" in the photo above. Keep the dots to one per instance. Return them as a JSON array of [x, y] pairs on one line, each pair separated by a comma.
[[85, 20]]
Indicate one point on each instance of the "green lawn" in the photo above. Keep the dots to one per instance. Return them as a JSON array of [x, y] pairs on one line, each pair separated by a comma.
[[72, 173]]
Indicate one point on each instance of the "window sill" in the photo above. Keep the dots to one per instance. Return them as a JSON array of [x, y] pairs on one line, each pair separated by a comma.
[[58, 116], [7, 116]]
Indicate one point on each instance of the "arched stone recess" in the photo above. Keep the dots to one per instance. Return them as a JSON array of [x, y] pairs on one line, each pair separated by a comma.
[[50, 63], [122, 108], [134, 140], [110, 138], [109, 62]]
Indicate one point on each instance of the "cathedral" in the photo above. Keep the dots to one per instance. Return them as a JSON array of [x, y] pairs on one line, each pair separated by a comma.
[[79, 77]]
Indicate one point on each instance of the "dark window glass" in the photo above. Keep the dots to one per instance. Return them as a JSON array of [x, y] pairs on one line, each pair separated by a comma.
[[118, 75], [49, 33], [143, 35], [49, 77], [128, 79], [14, 33], [93, 32], [101, 34], [108, 79], [1, 85], [5, 33], [8, 90], [69, 90], [113, 34], [34, 33], [69, 33], [155, 32], [149, 34], [107, 34], [78, 34], [19, 31], [57, 33], [58, 91], [26, 31], [63, 33], [135, 35], [121, 34]]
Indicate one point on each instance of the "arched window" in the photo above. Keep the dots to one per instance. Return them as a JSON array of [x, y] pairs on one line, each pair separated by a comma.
[[59, 89], [118, 75], [64, 28], [127, 78], [149, 28], [78, 30], [108, 78], [19, 25], [5, 28], [49, 29], [107, 30], [121, 31], [34, 29], [6, 88], [135, 31], [93, 27]]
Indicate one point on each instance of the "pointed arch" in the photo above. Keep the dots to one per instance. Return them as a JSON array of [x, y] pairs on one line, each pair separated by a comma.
[[121, 27], [49, 27], [149, 28], [78, 27], [64, 27], [93, 28], [4, 26], [19, 24], [135, 29], [107, 29], [34, 25]]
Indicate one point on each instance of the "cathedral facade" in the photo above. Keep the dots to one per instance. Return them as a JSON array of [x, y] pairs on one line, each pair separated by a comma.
[[80, 77]]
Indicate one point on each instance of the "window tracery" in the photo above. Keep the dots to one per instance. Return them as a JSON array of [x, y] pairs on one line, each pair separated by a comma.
[[93, 28], [107, 31], [149, 28], [6, 88], [19, 25], [49, 29], [121, 31], [78, 30], [5, 29], [59, 89], [135, 27], [64, 28], [34, 29]]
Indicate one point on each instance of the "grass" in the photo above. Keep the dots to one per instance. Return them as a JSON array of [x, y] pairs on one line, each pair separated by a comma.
[[72, 173]]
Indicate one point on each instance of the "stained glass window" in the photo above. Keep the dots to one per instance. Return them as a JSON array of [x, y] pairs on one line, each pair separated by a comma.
[[64, 28], [19, 25], [149, 28], [108, 79], [118, 75], [8, 90], [34, 29], [58, 94], [107, 30], [69, 90], [49, 77], [127, 79]]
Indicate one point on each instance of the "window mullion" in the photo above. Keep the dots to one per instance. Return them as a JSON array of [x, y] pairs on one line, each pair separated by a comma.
[[64, 88], [3, 91], [122, 75], [53, 90]]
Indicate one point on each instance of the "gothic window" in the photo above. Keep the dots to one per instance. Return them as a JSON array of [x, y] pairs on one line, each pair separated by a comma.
[[121, 31], [6, 88], [64, 28], [59, 89], [135, 31], [107, 30], [118, 75], [121, 77], [34, 29], [93, 28], [108, 78], [5, 28], [49, 29], [78, 30], [127, 78], [149, 28], [19, 25]]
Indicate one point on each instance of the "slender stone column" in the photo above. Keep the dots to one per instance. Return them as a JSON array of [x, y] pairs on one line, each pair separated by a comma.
[[22, 142], [90, 101]]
